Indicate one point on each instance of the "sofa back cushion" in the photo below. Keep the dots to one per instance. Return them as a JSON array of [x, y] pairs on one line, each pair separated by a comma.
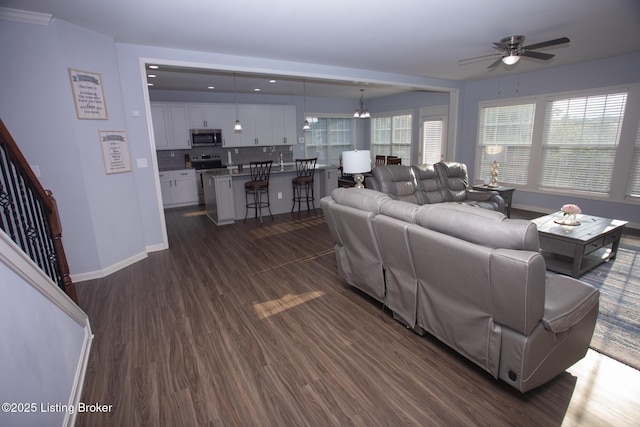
[[397, 181], [360, 198], [428, 185], [454, 180], [480, 226]]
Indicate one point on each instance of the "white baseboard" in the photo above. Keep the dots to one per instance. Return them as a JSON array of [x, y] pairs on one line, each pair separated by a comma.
[[81, 277], [156, 248]]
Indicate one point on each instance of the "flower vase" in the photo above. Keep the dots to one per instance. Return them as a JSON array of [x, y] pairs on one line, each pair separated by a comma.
[[570, 219]]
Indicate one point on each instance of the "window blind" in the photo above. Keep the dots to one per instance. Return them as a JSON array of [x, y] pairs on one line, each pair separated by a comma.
[[580, 139], [431, 141], [510, 128], [633, 186]]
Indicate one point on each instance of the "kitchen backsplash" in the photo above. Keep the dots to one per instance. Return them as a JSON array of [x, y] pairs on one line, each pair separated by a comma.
[[176, 159]]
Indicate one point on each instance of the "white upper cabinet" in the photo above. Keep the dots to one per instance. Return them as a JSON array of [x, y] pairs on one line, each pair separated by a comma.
[[179, 127], [284, 124], [262, 125], [159, 127], [205, 116]]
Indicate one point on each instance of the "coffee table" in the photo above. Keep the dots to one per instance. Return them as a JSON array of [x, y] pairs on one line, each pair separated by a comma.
[[575, 249]]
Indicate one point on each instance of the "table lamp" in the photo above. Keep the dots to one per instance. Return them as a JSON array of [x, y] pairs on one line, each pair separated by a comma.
[[495, 154], [356, 163]]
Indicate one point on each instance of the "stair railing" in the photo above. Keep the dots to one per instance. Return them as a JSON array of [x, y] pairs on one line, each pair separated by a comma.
[[29, 215]]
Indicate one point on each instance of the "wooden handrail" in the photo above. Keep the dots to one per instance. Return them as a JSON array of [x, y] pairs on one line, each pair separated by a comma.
[[29, 214]]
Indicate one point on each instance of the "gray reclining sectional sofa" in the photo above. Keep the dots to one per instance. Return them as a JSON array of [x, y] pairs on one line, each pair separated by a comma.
[[471, 277], [425, 184]]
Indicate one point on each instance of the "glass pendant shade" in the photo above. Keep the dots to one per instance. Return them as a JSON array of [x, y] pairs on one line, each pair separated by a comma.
[[511, 59]]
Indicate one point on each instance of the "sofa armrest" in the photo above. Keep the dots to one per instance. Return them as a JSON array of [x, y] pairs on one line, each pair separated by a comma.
[[492, 197], [567, 301], [480, 196]]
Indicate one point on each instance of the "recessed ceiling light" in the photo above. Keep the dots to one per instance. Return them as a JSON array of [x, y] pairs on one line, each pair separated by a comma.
[[153, 67], [149, 84], [256, 89], [151, 75], [272, 81], [211, 87]]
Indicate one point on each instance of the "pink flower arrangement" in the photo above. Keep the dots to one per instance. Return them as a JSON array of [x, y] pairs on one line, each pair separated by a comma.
[[571, 209]]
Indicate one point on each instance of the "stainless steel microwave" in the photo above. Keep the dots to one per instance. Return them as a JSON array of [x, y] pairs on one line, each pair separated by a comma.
[[206, 137]]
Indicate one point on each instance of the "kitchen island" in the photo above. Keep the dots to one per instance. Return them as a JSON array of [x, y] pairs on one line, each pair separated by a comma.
[[228, 203]]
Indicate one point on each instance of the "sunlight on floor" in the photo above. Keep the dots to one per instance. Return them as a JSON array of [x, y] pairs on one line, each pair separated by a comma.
[[196, 213], [269, 308]]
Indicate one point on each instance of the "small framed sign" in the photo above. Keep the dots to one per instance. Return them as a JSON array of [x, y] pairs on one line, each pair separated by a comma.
[[115, 151], [88, 94]]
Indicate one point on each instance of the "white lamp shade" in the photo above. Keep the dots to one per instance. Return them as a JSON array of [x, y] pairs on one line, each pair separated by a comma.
[[356, 161]]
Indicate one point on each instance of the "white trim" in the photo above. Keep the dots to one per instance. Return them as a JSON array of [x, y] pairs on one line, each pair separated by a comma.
[[25, 16], [154, 155], [81, 277], [156, 248]]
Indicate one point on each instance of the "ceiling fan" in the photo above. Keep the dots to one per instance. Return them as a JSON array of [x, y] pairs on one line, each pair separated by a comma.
[[512, 48]]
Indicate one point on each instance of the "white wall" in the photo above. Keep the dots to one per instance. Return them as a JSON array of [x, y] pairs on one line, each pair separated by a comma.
[[100, 218]]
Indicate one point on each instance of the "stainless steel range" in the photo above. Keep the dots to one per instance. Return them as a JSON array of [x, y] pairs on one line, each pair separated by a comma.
[[202, 164]]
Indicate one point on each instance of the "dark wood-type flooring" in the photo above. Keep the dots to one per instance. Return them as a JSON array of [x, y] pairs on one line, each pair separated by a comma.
[[249, 325]]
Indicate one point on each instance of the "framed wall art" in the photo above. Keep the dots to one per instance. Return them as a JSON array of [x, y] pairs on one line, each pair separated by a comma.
[[115, 151], [88, 94]]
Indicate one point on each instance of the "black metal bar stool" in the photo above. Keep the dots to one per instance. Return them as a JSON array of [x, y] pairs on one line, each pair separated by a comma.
[[257, 187], [305, 169]]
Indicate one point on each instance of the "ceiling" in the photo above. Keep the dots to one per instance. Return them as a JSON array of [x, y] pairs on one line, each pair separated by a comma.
[[411, 37]]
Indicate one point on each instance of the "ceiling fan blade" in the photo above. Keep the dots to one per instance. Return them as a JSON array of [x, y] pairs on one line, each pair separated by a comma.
[[501, 45], [478, 57], [537, 55], [548, 43], [495, 64]]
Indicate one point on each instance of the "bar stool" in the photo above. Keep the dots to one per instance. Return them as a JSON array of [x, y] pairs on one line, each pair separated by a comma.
[[258, 186], [380, 160], [305, 168]]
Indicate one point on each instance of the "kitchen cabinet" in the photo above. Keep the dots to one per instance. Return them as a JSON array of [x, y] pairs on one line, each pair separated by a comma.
[[159, 127], [229, 137], [283, 118], [179, 127], [179, 188], [330, 181], [262, 124], [205, 116], [219, 200], [172, 117]]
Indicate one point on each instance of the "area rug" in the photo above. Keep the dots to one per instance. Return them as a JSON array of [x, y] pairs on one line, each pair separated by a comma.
[[617, 332]]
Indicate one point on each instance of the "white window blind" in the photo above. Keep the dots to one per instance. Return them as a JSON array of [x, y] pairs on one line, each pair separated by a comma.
[[505, 135], [328, 138], [432, 141], [391, 136], [581, 135], [633, 186]]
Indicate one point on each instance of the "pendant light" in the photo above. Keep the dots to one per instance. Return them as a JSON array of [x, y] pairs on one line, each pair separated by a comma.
[[238, 127], [306, 125], [362, 113]]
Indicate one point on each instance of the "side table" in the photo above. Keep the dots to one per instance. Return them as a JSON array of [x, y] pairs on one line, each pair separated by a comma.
[[505, 192]]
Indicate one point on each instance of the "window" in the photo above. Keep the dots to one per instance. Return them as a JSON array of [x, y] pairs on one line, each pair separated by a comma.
[[328, 138], [633, 186], [581, 135], [505, 135], [391, 136]]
